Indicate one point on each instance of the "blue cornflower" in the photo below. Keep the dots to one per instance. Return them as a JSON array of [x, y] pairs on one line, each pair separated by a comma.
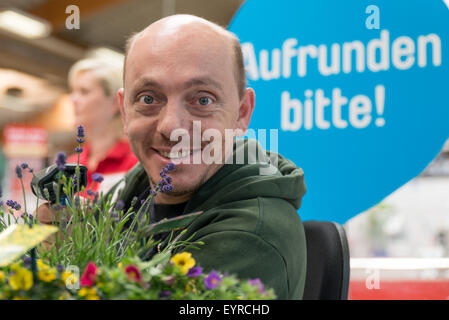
[[61, 160]]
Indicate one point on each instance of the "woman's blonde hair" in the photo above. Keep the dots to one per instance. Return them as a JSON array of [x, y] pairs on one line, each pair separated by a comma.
[[109, 75]]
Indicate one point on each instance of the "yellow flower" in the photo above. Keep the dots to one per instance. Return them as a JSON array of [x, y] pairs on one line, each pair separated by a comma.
[[64, 296], [22, 279], [15, 267], [2, 277], [41, 265], [93, 297], [183, 260], [47, 275], [88, 293], [69, 277], [20, 298]]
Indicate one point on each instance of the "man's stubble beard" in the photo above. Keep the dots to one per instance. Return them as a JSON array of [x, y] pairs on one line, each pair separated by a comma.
[[176, 192]]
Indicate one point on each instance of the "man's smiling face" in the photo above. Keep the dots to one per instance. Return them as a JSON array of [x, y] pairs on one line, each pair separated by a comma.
[[178, 73]]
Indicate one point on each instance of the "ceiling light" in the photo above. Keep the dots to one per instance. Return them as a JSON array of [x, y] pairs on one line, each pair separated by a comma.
[[23, 24]]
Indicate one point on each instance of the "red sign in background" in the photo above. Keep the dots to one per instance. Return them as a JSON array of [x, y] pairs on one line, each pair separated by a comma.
[[400, 290], [23, 144]]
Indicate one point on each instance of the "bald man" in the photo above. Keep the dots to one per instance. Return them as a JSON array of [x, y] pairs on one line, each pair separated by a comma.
[[184, 82], [182, 71]]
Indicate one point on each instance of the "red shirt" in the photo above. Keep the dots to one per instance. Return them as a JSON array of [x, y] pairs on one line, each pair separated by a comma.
[[113, 167]]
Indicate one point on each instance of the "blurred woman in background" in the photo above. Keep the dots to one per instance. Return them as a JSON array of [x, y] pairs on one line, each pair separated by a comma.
[[106, 152]]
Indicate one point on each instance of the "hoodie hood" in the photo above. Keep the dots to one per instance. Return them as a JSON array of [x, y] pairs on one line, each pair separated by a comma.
[[258, 173]]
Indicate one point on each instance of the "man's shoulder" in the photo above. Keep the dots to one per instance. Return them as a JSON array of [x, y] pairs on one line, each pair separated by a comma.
[[272, 219], [261, 237]]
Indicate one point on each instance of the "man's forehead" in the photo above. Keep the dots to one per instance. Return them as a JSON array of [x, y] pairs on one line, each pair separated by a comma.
[[179, 23], [177, 28]]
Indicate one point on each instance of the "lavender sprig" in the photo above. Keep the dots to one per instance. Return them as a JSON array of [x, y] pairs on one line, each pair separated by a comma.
[[80, 139], [13, 204], [61, 161]]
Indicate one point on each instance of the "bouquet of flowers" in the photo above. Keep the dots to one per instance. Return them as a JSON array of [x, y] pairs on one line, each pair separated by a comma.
[[163, 277], [97, 236]]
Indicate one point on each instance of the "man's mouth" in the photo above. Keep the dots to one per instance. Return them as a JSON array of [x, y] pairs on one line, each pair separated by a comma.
[[174, 155]]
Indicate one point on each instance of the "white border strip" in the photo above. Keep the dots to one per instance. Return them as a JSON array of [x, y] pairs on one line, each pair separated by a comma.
[[399, 263]]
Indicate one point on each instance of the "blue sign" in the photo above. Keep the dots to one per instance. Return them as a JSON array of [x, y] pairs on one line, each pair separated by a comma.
[[358, 90]]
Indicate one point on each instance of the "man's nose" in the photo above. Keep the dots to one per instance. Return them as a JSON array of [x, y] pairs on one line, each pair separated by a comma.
[[171, 117]]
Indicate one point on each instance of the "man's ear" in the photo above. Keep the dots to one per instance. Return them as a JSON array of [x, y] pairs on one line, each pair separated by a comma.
[[247, 104], [121, 103]]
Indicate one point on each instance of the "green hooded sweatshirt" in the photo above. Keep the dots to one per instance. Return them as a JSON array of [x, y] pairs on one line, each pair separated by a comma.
[[249, 222]]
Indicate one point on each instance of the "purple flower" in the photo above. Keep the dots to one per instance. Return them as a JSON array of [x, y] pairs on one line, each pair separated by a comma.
[[27, 261], [120, 205], [195, 272], [19, 172], [164, 184], [59, 268], [212, 280], [170, 167], [80, 132], [13, 204], [167, 188], [164, 294], [78, 150], [27, 216], [24, 166], [97, 177], [257, 283], [61, 160], [80, 140], [90, 192]]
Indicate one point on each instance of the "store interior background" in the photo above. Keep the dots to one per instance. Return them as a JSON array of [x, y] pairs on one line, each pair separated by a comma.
[[412, 222]]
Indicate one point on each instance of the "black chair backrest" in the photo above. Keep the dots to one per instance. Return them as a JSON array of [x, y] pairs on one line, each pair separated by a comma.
[[327, 275]]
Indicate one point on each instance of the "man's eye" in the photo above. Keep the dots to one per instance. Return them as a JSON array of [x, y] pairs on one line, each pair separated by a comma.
[[146, 99], [204, 101]]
